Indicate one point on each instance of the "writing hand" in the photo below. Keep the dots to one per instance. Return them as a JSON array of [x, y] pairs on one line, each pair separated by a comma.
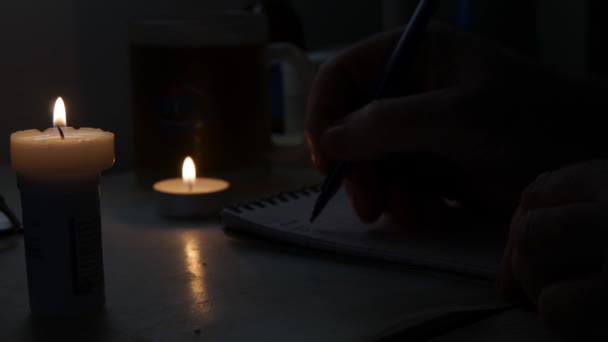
[[494, 117]]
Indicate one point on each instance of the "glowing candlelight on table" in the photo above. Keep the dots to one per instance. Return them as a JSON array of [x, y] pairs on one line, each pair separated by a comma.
[[58, 173], [190, 196], [59, 119], [189, 173]]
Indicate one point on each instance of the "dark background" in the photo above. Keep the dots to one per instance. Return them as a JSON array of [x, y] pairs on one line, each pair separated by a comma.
[[78, 49]]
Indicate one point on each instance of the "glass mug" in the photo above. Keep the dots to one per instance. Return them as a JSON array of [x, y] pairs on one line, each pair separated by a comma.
[[200, 89], [295, 76]]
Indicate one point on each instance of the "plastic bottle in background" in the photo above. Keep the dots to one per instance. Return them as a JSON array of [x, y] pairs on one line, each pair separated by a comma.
[[288, 90]]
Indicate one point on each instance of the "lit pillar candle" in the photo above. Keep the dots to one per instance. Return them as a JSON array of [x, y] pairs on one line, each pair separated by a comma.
[[58, 172], [81, 153], [190, 196]]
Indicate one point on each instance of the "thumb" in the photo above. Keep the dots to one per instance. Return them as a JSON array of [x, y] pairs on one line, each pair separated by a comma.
[[418, 123], [576, 308]]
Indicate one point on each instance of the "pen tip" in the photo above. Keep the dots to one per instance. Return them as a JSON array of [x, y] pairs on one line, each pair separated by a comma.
[[315, 214]]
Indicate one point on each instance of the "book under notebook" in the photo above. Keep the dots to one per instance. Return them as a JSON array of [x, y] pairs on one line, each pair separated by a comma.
[[285, 217]]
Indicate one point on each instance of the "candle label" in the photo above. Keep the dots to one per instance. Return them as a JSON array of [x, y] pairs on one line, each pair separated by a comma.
[[63, 246], [86, 254]]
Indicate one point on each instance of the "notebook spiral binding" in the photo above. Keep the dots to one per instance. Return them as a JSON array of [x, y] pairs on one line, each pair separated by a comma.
[[281, 197]]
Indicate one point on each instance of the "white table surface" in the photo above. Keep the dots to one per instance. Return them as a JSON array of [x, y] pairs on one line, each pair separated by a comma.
[[170, 280]]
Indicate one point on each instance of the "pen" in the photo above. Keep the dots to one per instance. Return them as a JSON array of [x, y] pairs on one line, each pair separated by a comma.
[[400, 57]]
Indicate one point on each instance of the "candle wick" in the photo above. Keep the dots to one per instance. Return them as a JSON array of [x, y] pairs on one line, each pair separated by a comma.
[[61, 132], [190, 185]]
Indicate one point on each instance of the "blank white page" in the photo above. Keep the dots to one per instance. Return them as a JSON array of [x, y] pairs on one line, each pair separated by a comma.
[[286, 218]]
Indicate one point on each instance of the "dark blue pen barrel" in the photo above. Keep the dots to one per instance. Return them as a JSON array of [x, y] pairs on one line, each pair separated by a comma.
[[465, 15]]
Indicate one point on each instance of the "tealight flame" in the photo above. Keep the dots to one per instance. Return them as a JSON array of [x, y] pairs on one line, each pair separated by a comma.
[[59, 119], [189, 172]]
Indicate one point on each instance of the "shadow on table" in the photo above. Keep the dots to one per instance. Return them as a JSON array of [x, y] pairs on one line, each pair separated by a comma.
[[92, 328], [146, 216], [8, 243]]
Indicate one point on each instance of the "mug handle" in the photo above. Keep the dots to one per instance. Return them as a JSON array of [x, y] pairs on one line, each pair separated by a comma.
[[298, 73]]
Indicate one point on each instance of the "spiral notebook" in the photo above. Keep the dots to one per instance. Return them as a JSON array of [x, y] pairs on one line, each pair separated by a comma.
[[285, 217]]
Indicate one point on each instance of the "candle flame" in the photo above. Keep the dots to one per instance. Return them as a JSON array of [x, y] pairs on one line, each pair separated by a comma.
[[189, 172], [59, 119]]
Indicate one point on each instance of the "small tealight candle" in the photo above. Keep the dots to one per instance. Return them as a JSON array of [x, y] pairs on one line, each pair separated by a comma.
[[190, 196]]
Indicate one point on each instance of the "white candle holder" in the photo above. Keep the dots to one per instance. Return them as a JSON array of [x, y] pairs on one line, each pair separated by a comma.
[[63, 246], [205, 199]]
